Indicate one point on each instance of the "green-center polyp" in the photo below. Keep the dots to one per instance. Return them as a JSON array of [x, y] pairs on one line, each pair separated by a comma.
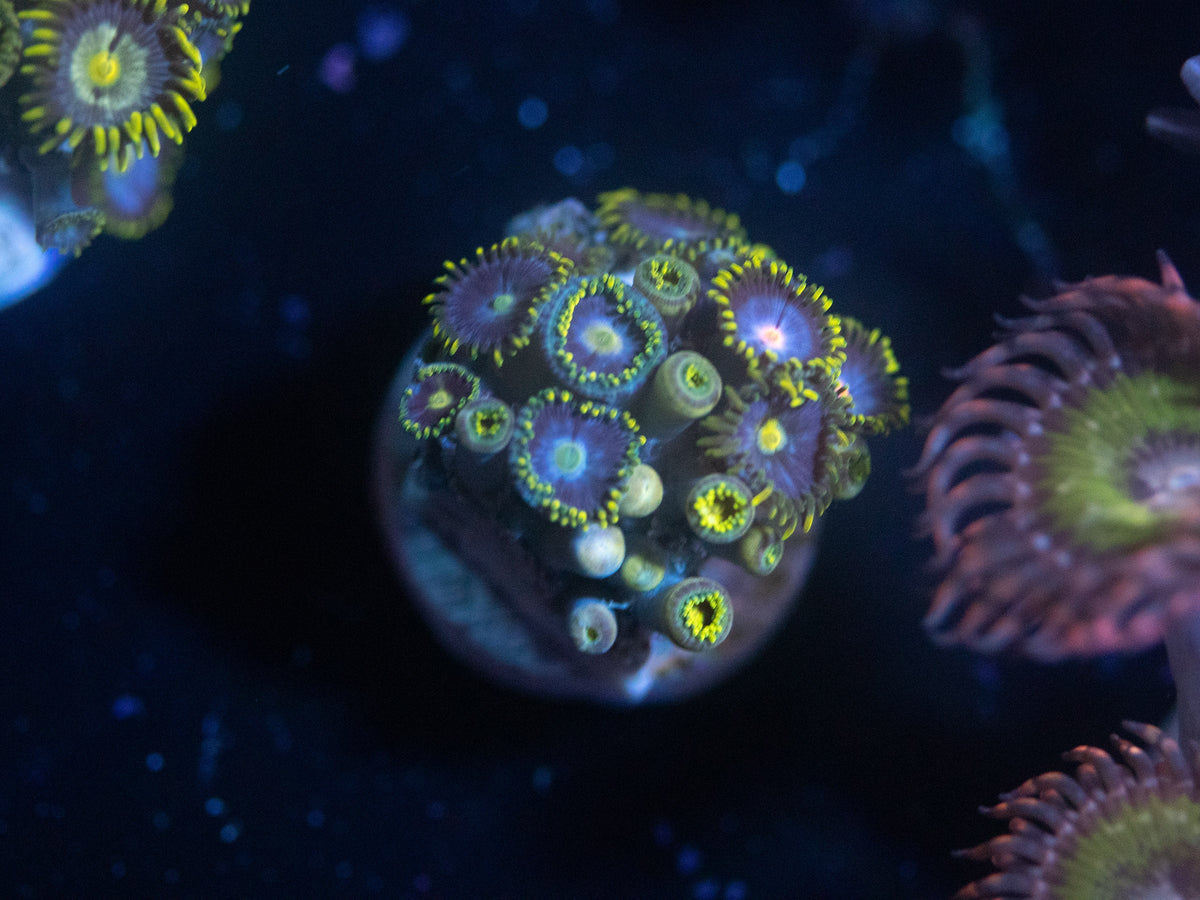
[[1121, 468], [104, 68], [770, 438], [108, 69], [570, 458], [1143, 850], [503, 303], [602, 339], [441, 399]]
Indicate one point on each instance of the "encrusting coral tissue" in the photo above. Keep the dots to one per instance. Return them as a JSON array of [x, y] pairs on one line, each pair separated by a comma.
[[600, 470]]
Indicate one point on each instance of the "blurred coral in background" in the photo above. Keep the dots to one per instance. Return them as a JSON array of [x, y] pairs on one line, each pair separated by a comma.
[[95, 99]]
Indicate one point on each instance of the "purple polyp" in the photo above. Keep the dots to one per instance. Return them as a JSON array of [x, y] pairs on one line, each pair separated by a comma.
[[770, 324], [790, 467], [579, 456], [487, 303], [594, 312]]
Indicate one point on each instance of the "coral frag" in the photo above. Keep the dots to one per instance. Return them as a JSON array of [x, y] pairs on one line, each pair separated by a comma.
[[600, 470]]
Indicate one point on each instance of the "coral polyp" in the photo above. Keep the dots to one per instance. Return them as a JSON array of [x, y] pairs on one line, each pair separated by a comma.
[[96, 97], [669, 283], [695, 613], [783, 434], [485, 425], [720, 508], [586, 493], [593, 626], [109, 74], [438, 392], [489, 305], [669, 222], [603, 338], [1122, 826], [686, 387], [571, 460], [869, 376], [767, 312], [1061, 476]]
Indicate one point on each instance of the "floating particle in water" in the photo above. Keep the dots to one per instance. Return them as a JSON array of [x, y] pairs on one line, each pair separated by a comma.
[[790, 177], [337, 68], [568, 160], [687, 860], [543, 778], [213, 740], [382, 31], [532, 112], [127, 706]]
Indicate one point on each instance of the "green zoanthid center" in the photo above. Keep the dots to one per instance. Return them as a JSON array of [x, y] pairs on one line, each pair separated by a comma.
[[502, 304], [770, 437], [104, 68], [570, 458], [1147, 851], [440, 399], [601, 339], [108, 71], [1123, 468]]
